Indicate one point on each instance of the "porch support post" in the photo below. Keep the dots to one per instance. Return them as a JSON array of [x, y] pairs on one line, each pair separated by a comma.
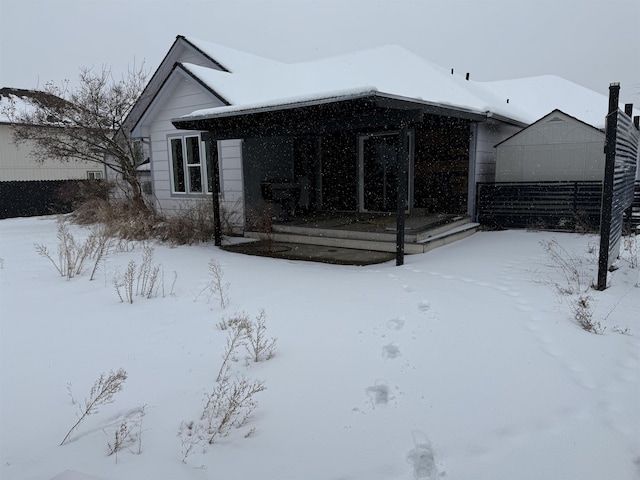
[[212, 159], [403, 167]]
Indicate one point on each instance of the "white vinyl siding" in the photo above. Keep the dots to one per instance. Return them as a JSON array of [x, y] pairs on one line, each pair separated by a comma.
[[17, 164], [180, 96], [556, 147]]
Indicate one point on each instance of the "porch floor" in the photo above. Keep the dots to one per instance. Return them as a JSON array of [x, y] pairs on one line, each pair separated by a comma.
[[311, 253], [353, 239]]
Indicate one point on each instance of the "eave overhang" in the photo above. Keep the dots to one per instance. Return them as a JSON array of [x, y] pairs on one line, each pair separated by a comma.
[[338, 112]]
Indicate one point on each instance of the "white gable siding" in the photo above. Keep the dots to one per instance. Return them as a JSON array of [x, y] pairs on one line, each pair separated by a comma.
[[556, 148], [490, 133], [181, 96], [16, 164]]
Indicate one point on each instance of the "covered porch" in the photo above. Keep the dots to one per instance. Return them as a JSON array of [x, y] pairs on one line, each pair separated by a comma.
[[362, 170]]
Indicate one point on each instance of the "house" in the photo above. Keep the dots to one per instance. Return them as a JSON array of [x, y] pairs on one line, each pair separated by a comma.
[[551, 174], [558, 147], [200, 76], [371, 133], [28, 185]]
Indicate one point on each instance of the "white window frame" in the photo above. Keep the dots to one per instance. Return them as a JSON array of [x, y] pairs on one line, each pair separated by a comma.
[[187, 165], [95, 175]]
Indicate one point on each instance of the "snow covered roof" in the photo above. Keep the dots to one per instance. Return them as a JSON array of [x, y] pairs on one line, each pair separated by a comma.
[[537, 96], [253, 82], [15, 102], [231, 60], [12, 103]]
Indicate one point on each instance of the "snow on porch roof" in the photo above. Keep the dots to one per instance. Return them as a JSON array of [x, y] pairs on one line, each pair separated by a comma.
[[257, 83]]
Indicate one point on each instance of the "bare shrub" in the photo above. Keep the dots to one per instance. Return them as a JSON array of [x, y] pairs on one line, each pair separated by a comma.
[[103, 245], [125, 282], [102, 392], [128, 435], [123, 438], [216, 286], [230, 217], [229, 405], [173, 284], [631, 250], [190, 438], [582, 311], [148, 273], [236, 321], [145, 277], [193, 222], [231, 401], [259, 347], [577, 274], [235, 338], [73, 256]]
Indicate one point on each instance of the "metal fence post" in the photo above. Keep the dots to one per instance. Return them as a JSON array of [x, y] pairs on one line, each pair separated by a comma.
[[607, 186]]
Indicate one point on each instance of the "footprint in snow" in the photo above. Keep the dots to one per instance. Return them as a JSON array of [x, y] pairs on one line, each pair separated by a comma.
[[379, 393], [395, 323], [424, 306], [391, 350]]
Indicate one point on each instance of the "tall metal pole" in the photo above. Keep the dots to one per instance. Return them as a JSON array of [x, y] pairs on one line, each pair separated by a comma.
[[607, 185]]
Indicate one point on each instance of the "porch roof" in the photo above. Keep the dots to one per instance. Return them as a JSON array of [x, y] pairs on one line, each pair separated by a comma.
[[314, 114]]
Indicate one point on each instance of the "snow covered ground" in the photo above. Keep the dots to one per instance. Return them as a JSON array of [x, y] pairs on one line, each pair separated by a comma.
[[462, 364]]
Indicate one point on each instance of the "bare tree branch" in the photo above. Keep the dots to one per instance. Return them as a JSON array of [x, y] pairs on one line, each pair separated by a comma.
[[86, 123]]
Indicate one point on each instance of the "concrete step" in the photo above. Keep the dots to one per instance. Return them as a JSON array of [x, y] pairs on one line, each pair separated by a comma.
[[380, 242]]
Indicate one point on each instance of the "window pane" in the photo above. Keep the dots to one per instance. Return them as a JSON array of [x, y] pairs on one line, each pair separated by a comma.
[[177, 162], [193, 150], [195, 179]]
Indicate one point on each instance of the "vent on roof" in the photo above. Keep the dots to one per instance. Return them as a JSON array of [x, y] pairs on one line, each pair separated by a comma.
[[556, 119]]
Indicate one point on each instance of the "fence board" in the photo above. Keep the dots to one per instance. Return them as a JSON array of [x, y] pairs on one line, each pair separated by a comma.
[[553, 205], [32, 198]]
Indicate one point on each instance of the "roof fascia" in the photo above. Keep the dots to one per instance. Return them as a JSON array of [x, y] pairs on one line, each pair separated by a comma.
[[542, 119], [194, 46], [155, 83], [178, 69], [383, 100]]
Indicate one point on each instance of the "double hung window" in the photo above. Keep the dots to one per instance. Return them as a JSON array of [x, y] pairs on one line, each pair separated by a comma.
[[188, 165]]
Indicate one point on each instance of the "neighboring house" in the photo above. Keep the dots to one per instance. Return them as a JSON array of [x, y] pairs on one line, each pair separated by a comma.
[[17, 162], [551, 174], [28, 185], [329, 135], [558, 147]]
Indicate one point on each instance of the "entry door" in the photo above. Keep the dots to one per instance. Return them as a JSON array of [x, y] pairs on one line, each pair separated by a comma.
[[378, 172]]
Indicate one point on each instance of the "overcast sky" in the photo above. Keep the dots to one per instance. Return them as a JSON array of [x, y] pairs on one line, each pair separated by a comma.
[[590, 42]]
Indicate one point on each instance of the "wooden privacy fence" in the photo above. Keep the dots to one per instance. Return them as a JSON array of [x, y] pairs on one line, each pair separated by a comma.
[[32, 198], [553, 205]]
